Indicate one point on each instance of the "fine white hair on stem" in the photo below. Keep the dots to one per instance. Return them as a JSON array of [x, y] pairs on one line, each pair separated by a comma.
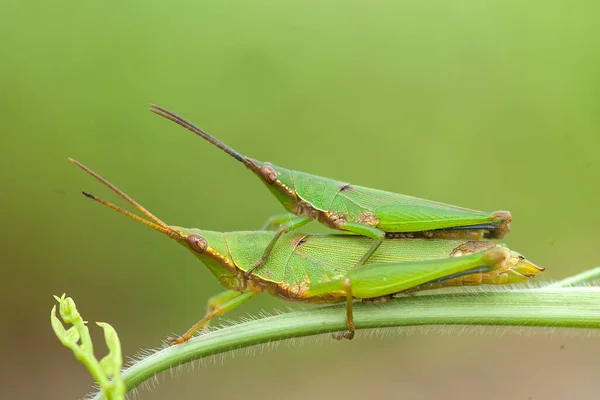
[[524, 310]]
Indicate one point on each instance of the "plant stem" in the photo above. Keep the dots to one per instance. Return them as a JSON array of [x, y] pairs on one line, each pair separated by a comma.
[[574, 307], [585, 276]]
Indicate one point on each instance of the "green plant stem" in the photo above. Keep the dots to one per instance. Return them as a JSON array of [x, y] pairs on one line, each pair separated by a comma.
[[585, 276], [577, 307]]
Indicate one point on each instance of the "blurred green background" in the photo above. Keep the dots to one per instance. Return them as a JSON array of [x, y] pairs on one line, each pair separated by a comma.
[[490, 105]]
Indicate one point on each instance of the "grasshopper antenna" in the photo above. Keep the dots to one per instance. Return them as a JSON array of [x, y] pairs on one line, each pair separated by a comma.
[[159, 228], [163, 112], [164, 227]]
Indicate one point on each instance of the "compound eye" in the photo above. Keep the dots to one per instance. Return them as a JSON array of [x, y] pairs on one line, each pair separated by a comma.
[[197, 243], [268, 174]]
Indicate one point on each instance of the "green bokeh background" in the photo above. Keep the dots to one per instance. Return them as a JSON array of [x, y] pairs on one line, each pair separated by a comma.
[[489, 105]]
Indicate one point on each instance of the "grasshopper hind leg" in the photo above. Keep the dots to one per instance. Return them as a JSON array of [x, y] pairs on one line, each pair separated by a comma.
[[349, 334], [375, 282]]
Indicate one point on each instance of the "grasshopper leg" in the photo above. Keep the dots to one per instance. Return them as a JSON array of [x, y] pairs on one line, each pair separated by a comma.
[[276, 221], [385, 279], [220, 298], [283, 228], [222, 303], [369, 231], [349, 315], [216, 300]]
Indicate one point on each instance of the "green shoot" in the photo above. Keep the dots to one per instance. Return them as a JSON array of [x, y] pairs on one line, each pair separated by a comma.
[[107, 372]]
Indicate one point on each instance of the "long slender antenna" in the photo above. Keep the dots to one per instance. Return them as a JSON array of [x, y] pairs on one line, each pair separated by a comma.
[[159, 228], [118, 191], [163, 112]]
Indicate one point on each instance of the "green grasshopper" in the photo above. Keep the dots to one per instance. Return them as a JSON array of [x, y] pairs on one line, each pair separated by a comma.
[[321, 268], [360, 210]]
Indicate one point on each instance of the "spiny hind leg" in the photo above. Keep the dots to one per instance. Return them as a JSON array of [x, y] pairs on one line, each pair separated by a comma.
[[382, 281], [276, 221], [290, 225], [369, 231], [223, 302]]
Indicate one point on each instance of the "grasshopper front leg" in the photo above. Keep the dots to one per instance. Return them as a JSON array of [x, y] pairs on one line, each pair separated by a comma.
[[290, 225], [217, 305], [216, 301], [276, 221], [383, 279]]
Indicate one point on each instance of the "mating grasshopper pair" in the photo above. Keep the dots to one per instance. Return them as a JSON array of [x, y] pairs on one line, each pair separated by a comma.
[[399, 243]]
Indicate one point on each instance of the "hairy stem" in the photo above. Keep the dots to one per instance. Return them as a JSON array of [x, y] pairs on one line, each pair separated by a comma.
[[573, 307]]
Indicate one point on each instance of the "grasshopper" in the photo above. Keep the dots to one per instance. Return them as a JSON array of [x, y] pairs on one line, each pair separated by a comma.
[[373, 213], [320, 268]]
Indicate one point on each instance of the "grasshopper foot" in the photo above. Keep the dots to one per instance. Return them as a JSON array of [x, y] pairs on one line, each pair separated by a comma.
[[179, 340], [341, 336]]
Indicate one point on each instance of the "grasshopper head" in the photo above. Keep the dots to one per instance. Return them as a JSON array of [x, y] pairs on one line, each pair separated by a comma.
[[202, 243], [211, 249], [277, 179]]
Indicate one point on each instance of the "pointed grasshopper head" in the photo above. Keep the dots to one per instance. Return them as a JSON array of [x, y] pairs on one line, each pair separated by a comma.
[[209, 247], [277, 179]]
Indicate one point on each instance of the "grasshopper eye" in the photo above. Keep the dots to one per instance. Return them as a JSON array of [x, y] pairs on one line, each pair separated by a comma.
[[268, 174], [197, 243]]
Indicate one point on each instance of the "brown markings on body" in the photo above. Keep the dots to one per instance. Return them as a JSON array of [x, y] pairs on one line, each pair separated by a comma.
[[450, 234], [470, 247], [368, 218], [337, 220], [299, 241], [298, 293], [305, 209], [502, 221], [380, 299], [332, 219]]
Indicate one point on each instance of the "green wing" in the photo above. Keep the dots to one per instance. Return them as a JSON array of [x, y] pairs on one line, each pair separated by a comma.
[[299, 261], [286, 265], [414, 218], [346, 250], [395, 212]]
